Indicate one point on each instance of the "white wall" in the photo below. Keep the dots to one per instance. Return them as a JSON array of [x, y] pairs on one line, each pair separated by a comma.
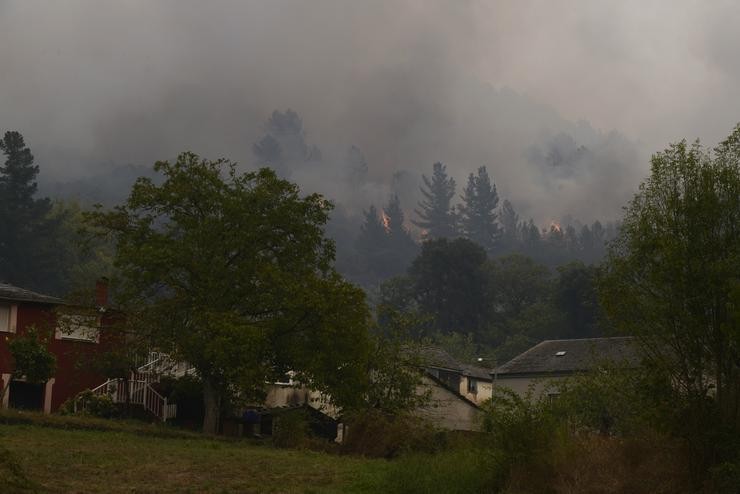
[[447, 410]]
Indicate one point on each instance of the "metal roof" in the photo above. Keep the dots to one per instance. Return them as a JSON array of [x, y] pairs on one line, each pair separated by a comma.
[[565, 356]]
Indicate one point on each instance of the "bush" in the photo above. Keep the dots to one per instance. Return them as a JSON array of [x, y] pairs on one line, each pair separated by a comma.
[[645, 464], [87, 403], [523, 432], [375, 434], [291, 429]]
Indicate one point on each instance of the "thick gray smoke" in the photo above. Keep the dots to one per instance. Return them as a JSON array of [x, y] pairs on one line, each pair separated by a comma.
[[94, 85]]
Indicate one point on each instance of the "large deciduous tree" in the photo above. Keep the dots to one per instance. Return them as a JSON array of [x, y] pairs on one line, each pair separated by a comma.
[[670, 274], [449, 283], [233, 274]]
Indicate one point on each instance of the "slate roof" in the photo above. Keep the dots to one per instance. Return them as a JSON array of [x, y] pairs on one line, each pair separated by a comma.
[[477, 372], [433, 356], [566, 356], [16, 294], [436, 357]]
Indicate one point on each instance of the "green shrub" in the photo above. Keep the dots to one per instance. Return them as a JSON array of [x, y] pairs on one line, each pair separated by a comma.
[[376, 434], [291, 429], [523, 432], [87, 403]]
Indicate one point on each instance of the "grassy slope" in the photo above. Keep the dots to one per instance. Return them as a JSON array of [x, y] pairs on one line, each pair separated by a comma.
[[62, 460]]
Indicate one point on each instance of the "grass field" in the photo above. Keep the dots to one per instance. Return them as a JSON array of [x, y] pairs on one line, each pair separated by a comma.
[[133, 460]]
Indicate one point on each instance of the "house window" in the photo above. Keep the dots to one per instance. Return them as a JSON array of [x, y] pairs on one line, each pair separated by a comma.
[[552, 396], [472, 385], [7, 318], [78, 327]]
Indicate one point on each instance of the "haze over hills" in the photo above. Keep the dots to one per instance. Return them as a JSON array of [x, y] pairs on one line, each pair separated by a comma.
[[98, 88]]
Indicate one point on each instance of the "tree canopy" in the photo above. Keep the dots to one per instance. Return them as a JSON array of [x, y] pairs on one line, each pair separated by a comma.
[[670, 275], [28, 253], [232, 273]]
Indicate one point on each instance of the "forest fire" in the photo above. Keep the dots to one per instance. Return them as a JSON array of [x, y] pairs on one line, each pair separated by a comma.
[[386, 221], [555, 226]]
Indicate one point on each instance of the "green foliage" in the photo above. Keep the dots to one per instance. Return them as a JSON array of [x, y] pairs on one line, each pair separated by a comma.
[[85, 257], [450, 284], [28, 235], [233, 272], [615, 399], [394, 368], [670, 277], [520, 427], [377, 434], [461, 346], [31, 357], [87, 403], [291, 429], [576, 296], [436, 214]]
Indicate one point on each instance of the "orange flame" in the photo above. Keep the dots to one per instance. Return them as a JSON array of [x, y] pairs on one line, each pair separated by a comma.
[[386, 221], [554, 225]]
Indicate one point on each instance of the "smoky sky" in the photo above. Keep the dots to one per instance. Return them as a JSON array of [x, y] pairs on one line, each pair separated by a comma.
[[563, 101]]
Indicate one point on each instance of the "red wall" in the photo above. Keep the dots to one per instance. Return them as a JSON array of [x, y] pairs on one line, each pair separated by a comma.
[[73, 357]]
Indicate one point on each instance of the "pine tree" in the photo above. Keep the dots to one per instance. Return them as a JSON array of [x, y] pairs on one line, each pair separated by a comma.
[[402, 246], [373, 245], [27, 235], [478, 217], [283, 147], [511, 237], [356, 166], [436, 215]]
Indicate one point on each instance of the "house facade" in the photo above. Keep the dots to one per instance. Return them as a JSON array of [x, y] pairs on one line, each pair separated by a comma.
[[72, 337], [472, 382], [454, 392], [553, 360]]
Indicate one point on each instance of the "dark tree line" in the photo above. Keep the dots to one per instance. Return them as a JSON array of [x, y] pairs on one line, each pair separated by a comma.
[[497, 229], [501, 305], [40, 245]]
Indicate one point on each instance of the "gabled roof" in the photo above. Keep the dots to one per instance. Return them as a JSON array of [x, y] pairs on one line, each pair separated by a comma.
[[17, 294], [434, 356], [566, 356], [477, 372], [437, 358]]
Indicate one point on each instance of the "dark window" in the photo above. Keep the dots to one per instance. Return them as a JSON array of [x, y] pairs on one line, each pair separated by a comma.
[[472, 385]]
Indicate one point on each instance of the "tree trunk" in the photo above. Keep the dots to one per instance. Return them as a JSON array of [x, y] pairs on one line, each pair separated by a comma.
[[211, 407]]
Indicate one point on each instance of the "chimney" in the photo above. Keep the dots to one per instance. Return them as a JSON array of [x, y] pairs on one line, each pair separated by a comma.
[[101, 292]]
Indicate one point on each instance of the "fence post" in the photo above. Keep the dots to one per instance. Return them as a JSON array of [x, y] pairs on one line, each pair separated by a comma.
[[164, 410]]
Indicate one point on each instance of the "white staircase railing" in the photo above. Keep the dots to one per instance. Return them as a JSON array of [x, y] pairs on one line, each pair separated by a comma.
[[139, 393], [140, 390]]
